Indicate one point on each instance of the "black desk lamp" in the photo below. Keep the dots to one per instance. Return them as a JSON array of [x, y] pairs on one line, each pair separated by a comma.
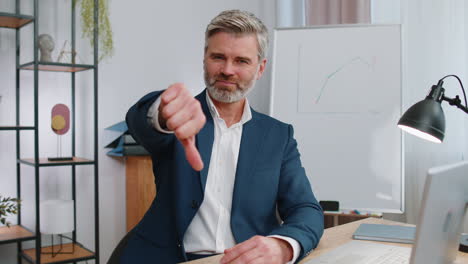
[[426, 118]]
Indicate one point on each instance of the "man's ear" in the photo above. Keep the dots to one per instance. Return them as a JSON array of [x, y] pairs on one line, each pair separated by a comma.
[[261, 68]]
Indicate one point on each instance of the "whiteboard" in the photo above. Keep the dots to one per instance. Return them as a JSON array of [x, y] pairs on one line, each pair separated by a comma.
[[340, 87]]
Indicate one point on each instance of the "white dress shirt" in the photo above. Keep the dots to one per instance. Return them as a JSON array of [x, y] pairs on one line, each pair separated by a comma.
[[210, 230]]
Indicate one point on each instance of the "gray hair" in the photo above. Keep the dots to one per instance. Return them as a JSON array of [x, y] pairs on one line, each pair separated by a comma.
[[239, 22]]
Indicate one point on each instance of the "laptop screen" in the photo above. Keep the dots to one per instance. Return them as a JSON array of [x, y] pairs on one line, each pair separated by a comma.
[[444, 206]]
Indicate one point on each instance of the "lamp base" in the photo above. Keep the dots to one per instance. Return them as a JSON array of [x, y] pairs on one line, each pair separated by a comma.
[[59, 158], [59, 251], [464, 243]]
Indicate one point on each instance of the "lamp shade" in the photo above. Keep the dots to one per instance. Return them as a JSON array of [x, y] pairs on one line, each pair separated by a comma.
[[425, 119], [56, 216]]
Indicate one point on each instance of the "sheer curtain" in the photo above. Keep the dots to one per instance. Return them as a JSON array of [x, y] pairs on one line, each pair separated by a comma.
[[323, 12], [299, 13]]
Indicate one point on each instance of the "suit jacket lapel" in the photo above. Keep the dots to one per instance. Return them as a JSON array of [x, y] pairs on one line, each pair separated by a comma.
[[250, 148], [205, 139]]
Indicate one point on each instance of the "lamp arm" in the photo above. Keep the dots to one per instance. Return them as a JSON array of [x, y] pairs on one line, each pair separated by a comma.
[[461, 86], [456, 102]]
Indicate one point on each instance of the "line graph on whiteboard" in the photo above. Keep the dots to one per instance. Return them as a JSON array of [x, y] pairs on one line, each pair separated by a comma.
[[339, 85], [343, 67]]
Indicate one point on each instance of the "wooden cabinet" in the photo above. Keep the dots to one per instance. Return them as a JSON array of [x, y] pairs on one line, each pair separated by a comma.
[[140, 188], [332, 219]]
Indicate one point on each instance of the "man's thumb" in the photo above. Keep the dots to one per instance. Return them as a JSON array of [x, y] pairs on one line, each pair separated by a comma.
[[191, 153]]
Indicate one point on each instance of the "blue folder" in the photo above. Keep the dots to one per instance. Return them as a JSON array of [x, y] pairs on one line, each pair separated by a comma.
[[385, 233]]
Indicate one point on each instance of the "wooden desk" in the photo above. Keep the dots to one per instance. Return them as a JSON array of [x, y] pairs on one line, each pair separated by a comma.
[[337, 236]]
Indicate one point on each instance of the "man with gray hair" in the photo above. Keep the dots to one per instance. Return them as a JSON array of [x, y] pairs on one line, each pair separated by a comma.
[[223, 172]]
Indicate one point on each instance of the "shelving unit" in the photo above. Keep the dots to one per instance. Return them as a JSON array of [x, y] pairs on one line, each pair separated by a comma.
[[16, 128], [14, 20], [43, 162], [58, 67], [80, 254], [19, 233], [15, 233]]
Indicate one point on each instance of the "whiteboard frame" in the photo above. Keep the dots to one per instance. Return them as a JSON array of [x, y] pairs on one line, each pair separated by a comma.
[[402, 78]]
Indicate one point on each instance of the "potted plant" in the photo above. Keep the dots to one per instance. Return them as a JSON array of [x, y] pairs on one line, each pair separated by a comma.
[[106, 44], [8, 206]]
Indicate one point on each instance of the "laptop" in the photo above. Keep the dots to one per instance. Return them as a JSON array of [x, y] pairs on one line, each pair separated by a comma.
[[444, 206]]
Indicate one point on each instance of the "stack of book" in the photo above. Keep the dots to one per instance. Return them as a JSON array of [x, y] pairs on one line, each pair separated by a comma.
[[121, 142]]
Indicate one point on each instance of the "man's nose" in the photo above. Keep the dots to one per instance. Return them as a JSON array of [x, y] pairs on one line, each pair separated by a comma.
[[228, 69]]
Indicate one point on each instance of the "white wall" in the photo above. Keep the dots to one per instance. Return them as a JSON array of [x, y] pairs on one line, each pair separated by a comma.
[[435, 45], [385, 12], [156, 43], [435, 35], [290, 13]]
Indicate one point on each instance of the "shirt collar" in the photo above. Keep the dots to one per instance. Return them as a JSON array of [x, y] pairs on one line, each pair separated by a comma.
[[246, 115]]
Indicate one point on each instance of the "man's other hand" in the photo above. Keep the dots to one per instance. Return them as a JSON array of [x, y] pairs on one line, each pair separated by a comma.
[[180, 112], [257, 250]]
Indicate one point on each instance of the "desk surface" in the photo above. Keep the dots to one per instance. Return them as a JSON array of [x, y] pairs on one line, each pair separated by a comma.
[[336, 236]]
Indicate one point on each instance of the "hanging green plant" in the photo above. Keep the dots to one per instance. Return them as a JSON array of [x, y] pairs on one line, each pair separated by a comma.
[[106, 44], [8, 206]]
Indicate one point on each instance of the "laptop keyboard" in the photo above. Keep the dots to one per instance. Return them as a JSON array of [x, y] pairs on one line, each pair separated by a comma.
[[399, 255]]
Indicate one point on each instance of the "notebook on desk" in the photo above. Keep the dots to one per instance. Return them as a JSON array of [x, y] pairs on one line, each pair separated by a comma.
[[385, 233]]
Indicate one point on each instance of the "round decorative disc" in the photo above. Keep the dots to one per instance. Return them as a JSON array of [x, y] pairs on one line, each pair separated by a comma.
[[60, 122]]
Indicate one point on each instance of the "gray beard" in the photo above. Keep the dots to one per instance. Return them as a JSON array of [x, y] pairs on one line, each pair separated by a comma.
[[226, 96]]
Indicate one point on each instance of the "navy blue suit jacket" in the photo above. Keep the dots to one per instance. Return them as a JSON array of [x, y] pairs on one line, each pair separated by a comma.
[[269, 177]]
